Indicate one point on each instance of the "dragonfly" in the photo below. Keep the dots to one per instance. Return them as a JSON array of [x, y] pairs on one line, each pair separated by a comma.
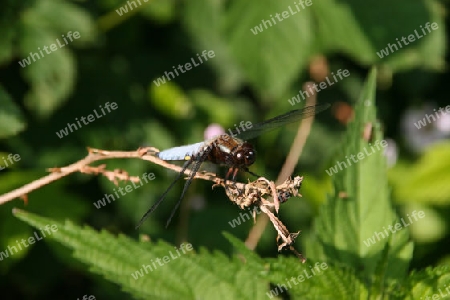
[[230, 150]]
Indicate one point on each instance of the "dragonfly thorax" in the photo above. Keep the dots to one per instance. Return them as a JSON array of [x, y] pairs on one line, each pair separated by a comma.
[[232, 152]]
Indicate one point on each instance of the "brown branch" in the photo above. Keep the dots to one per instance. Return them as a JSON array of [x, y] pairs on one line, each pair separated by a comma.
[[288, 168], [244, 195], [83, 166]]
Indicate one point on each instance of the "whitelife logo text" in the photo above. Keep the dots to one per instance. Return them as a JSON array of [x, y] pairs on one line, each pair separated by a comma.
[[187, 67], [11, 250], [391, 48], [89, 119], [285, 14], [323, 85], [53, 47], [394, 228], [432, 118], [340, 165], [11, 158], [314, 271], [161, 262], [128, 189]]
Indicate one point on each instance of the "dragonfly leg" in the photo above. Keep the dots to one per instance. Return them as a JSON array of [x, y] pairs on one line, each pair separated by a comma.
[[251, 173], [236, 170], [154, 206], [232, 171], [197, 163]]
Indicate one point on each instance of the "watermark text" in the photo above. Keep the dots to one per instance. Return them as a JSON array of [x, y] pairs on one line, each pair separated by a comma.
[[12, 158], [86, 120], [158, 262], [391, 48], [128, 189], [24, 243], [432, 117], [187, 66], [319, 86], [394, 228], [340, 165], [280, 288], [285, 14], [53, 47]]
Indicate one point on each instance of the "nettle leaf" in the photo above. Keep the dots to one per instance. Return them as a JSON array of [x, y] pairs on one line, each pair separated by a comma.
[[11, 117], [360, 207], [192, 275], [431, 283], [312, 280]]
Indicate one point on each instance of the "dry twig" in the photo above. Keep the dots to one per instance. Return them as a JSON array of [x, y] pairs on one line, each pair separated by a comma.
[[244, 195], [288, 168], [83, 166], [257, 192]]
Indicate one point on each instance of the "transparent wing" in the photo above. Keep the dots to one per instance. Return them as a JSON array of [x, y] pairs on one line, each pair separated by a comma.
[[289, 117]]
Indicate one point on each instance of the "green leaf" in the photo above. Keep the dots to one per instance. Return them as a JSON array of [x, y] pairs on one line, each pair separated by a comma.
[[187, 276], [203, 20], [428, 52], [201, 275], [315, 280], [51, 75], [427, 180], [431, 228], [11, 117], [163, 11], [170, 99], [363, 29], [431, 283], [62, 17], [271, 58], [312, 280], [360, 207], [262, 58], [226, 110]]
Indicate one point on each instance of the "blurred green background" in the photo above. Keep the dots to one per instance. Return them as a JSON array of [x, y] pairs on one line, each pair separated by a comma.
[[252, 77]]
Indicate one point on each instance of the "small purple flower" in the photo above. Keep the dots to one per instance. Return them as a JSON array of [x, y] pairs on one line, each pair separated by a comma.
[[213, 130]]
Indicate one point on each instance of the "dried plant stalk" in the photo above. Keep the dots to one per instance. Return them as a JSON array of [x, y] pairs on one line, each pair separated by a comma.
[[244, 195]]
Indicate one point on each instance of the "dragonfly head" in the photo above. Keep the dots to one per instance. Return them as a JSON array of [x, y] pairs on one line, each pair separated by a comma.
[[245, 155]]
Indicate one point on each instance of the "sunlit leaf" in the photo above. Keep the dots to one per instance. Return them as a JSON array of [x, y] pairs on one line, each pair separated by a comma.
[[360, 207]]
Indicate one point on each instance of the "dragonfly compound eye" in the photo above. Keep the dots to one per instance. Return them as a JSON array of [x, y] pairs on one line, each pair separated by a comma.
[[246, 155], [250, 157]]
